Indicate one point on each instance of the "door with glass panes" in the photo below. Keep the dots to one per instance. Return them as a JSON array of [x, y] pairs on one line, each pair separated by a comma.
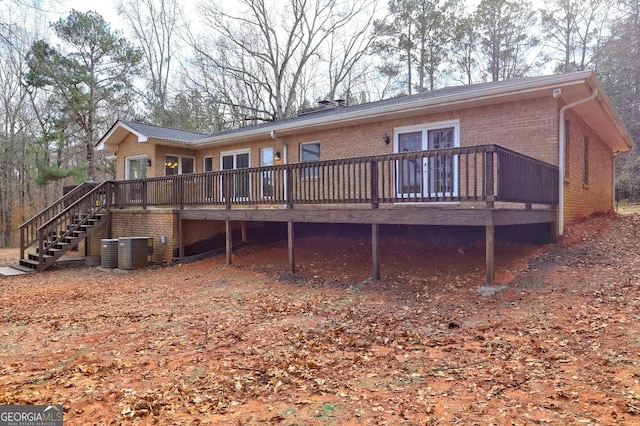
[[136, 169], [239, 185], [433, 175]]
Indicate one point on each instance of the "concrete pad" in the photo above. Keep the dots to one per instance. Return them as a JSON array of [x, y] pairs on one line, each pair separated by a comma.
[[491, 290], [8, 271]]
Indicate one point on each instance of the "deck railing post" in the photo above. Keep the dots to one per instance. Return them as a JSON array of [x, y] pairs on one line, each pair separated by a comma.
[[375, 196], [40, 250], [22, 241], [227, 189], [144, 194], [179, 185], [289, 187], [109, 191], [108, 195], [489, 177]]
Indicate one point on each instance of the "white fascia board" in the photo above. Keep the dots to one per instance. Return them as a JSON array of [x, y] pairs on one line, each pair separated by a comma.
[[102, 143], [613, 116], [140, 136]]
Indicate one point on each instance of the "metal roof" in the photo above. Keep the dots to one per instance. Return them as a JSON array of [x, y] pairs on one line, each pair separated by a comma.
[[165, 133], [448, 97]]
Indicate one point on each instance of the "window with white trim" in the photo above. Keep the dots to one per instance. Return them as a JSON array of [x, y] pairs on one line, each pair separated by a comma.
[[136, 167], [178, 165], [207, 164], [310, 151]]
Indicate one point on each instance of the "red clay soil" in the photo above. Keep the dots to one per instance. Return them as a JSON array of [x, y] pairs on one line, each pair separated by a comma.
[[202, 343]]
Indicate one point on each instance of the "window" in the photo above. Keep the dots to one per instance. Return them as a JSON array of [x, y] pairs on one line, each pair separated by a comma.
[[266, 159], [208, 164], [422, 175], [177, 165], [585, 162], [310, 152], [209, 183], [136, 167]]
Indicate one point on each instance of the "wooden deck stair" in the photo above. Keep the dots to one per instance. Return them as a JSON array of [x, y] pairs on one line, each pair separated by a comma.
[[62, 226], [56, 248]]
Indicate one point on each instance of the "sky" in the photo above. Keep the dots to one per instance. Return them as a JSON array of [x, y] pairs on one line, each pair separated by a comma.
[[105, 8]]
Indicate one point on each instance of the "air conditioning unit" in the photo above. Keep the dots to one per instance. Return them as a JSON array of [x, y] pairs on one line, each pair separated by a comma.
[[133, 251], [109, 253]]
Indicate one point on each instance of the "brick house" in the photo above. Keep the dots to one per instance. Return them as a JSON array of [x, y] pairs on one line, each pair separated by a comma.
[[536, 150]]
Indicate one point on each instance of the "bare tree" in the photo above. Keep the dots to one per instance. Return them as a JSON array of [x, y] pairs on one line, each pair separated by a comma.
[[465, 62], [505, 29], [155, 24], [346, 51], [261, 52], [418, 34], [19, 27], [572, 28]]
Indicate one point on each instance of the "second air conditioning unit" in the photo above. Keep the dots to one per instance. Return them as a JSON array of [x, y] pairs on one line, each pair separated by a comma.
[[133, 252]]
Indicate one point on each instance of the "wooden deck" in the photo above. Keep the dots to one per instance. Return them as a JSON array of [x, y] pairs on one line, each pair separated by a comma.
[[484, 185]]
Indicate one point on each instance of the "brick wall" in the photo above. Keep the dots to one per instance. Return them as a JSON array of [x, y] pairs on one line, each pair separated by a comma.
[[148, 223], [131, 147], [528, 126], [157, 222], [582, 199], [161, 151], [199, 230]]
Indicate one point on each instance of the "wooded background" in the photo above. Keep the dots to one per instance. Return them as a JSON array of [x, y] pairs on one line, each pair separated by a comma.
[[67, 80]]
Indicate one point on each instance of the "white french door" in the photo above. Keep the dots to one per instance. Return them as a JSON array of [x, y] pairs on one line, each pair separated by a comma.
[[432, 175], [240, 185]]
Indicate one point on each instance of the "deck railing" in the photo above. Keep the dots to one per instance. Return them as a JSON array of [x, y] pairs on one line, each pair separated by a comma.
[[29, 230], [477, 173]]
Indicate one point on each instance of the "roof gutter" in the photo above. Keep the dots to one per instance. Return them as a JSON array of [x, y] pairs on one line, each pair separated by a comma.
[[561, 156]]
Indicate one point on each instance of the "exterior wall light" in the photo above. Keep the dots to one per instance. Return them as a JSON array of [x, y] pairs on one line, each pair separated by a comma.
[[148, 162], [385, 138]]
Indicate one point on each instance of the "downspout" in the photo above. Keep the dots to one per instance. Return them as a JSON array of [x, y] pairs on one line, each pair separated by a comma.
[[563, 143], [614, 201], [285, 155]]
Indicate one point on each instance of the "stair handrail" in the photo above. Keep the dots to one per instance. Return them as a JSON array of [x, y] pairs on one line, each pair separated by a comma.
[[27, 239], [87, 204]]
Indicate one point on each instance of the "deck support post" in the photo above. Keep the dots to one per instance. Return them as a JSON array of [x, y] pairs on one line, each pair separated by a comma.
[[243, 231], [375, 250], [180, 238], [229, 243], [490, 252], [291, 247]]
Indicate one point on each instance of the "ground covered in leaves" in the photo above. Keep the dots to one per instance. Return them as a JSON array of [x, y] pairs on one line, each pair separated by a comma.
[[202, 343]]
